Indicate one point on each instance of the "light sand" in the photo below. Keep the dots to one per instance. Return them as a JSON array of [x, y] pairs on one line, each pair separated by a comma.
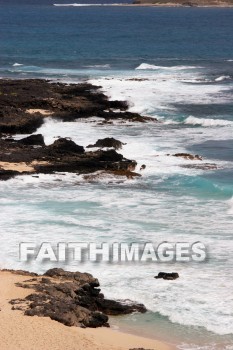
[[22, 166], [19, 332], [44, 112]]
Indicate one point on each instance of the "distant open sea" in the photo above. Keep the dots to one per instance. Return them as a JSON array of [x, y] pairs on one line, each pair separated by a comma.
[[182, 59]]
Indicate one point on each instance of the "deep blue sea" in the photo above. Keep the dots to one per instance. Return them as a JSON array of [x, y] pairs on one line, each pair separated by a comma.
[[174, 64]]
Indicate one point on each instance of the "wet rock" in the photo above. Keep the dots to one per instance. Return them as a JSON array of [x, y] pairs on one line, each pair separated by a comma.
[[188, 156], [109, 142], [167, 275], [16, 123], [64, 145], [63, 155], [143, 167], [110, 155], [7, 174], [203, 166], [114, 307], [128, 116], [36, 140]]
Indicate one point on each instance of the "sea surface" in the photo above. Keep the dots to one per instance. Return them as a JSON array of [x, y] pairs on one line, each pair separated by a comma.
[[176, 65]]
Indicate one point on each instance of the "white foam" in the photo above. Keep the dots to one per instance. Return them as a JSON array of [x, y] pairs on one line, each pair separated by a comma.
[[164, 89], [17, 65], [223, 77], [207, 122], [146, 66], [230, 204]]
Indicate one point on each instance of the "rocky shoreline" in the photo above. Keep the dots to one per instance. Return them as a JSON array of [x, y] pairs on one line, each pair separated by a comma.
[[64, 294], [25, 105], [71, 298]]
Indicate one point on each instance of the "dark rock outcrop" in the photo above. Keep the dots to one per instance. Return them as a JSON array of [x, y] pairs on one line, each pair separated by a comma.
[[62, 156], [34, 140], [167, 275], [187, 156], [63, 145], [24, 104], [7, 174], [71, 298], [108, 142]]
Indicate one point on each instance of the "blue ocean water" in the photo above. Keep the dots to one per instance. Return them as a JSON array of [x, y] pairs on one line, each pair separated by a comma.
[[175, 64]]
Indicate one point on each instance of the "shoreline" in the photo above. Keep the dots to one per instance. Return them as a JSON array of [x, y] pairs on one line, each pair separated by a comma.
[[18, 331]]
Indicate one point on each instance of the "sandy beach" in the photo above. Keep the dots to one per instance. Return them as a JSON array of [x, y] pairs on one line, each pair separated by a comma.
[[31, 333]]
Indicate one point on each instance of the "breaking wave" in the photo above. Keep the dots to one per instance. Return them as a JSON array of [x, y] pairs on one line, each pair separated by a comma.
[[17, 65], [223, 77], [207, 122], [146, 66]]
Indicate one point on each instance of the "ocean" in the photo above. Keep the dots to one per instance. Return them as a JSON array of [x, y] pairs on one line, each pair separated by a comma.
[[173, 64]]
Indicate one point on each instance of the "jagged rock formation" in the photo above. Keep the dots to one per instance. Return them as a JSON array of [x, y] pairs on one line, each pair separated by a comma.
[[71, 298]]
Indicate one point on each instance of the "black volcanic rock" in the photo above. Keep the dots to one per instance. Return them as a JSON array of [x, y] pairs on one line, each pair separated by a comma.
[[167, 275], [62, 156], [114, 307], [110, 155], [187, 156], [36, 140], [24, 104], [63, 145], [71, 298], [109, 142], [7, 174]]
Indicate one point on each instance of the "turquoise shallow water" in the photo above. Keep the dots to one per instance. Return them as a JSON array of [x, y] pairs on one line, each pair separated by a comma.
[[182, 60]]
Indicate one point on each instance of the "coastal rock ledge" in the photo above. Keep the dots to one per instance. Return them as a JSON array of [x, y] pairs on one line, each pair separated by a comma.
[[71, 298], [24, 107]]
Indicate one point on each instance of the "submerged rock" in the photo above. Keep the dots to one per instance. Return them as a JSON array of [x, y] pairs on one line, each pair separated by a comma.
[[203, 166], [167, 275], [187, 156]]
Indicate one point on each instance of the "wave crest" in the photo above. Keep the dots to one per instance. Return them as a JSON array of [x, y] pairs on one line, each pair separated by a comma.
[[223, 77], [207, 122], [17, 64], [146, 66]]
